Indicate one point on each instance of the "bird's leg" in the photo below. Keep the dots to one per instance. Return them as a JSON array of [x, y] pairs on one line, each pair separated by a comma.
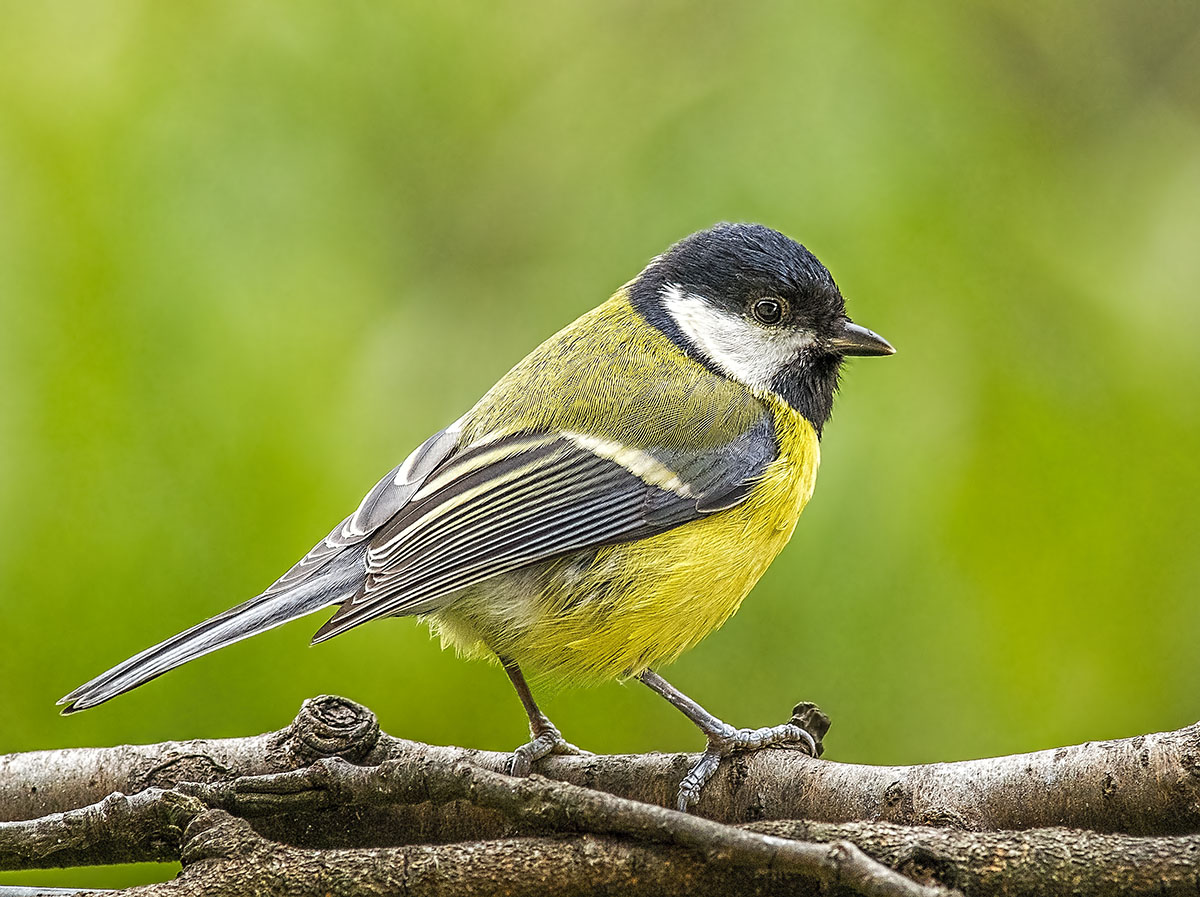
[[723, 739], [546, 738]]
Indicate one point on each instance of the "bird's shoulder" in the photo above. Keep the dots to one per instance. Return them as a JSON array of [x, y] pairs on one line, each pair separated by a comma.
[[613, 376]]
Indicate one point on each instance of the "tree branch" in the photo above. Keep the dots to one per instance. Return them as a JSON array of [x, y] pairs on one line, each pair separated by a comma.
[[538, 803], [1038, 862], [226, 857], [331, 805], [39, 782], [1148, 785], [143, 828], [230, 859]]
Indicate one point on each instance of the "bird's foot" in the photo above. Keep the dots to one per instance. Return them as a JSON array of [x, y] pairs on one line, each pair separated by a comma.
[[726, 740], [547, 740]]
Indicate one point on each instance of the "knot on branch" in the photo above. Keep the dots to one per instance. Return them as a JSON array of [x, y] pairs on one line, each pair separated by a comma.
[[329, 726]]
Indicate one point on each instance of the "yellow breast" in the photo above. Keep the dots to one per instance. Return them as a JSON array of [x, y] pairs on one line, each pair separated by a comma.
[[617, 610]]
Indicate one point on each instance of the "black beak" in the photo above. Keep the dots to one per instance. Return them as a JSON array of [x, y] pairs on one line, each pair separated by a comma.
[[855, 340]]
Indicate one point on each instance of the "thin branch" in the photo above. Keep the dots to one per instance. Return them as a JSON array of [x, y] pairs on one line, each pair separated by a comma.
[[541, 803], [226, 857], [145, 827], [1043, 862]]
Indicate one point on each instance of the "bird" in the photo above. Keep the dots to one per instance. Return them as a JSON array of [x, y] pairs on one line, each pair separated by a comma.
[[608, 503]]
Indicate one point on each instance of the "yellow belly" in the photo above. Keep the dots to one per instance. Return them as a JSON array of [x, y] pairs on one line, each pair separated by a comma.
[[615, 611]]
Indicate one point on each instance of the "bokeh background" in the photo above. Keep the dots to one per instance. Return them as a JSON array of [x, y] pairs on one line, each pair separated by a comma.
[[252, 254]]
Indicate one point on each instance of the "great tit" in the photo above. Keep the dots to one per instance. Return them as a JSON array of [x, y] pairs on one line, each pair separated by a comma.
[[607, 504]]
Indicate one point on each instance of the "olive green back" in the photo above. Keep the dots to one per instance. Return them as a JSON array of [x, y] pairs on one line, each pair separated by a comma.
[[611, 374]]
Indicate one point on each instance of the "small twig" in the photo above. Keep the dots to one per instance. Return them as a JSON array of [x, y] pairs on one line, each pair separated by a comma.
[[118, 829]]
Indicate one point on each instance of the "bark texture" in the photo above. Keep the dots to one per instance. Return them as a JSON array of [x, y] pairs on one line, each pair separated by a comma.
[[329, 804]]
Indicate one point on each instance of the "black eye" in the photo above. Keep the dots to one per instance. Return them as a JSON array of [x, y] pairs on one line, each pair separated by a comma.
[[768, 311]]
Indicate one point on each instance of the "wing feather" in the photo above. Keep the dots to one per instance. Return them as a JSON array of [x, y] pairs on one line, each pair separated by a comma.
[[501, 560], [504, 483], [550, 530], [482, 528], [507, 502]]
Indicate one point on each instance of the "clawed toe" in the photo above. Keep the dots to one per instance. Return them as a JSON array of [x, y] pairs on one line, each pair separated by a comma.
[[729, 740], [805, 731], [548, 741]]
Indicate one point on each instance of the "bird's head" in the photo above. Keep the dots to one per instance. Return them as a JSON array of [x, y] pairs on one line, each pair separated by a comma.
[[758, 307]]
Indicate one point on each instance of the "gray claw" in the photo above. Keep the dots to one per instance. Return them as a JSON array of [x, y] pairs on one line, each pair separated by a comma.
[[696, 778], [730, 741], [548, 741]]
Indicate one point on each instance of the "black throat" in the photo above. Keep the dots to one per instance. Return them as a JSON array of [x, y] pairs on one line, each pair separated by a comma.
[[808, 384]]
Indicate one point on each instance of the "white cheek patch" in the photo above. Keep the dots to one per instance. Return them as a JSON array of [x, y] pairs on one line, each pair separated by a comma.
[[747, 352]]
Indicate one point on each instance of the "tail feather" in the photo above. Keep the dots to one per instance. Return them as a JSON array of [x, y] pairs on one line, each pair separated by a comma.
[[339, 579]]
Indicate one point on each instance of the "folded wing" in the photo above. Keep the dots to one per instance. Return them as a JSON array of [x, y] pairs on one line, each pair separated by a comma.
[[504, 503]]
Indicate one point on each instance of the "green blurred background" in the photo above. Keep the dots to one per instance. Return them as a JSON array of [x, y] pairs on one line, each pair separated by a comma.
[[252, 254]]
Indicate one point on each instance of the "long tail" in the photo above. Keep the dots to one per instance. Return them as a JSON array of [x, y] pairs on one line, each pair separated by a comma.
[[336, 581]]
